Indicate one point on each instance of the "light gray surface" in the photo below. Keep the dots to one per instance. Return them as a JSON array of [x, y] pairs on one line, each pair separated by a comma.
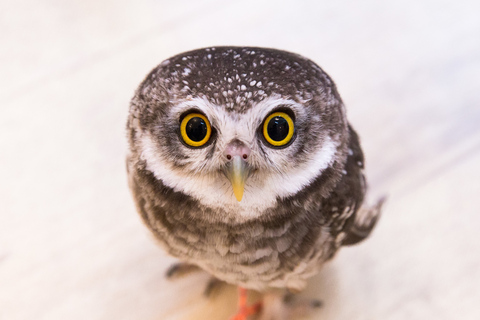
[[71, 245]]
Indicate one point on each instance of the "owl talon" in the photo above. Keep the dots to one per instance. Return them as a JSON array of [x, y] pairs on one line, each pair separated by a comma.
[[213, 287], [181, 269], [316, 303], [290, 299]]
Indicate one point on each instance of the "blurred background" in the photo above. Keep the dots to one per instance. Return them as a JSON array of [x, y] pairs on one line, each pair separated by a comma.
[[71, 244]]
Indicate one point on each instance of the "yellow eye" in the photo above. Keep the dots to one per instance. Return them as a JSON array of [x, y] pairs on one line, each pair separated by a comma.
[[278, 129], [195, 129]]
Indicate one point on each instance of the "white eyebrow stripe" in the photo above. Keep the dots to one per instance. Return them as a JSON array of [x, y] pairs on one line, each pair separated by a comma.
[[254, 116]]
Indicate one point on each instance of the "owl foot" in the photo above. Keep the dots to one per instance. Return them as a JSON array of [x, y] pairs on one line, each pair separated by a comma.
[[213, 287], [181, 269], [285, 307], [245, 311]]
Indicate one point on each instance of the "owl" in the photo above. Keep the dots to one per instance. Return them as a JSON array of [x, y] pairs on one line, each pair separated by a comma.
[[242, 163]]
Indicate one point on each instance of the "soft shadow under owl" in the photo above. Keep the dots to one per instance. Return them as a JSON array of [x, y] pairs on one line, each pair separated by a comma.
[[221, 303]]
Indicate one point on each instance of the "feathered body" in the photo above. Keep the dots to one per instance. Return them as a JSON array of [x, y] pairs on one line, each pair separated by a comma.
[[301, 202]]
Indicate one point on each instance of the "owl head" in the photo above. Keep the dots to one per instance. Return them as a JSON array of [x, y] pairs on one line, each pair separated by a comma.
[[237, 128]]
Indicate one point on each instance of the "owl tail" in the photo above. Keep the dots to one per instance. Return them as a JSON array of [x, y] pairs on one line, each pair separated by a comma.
[[365, 220]]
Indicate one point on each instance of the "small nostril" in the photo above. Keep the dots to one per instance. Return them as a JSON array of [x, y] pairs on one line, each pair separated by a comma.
[[245, 156], [229, 157]]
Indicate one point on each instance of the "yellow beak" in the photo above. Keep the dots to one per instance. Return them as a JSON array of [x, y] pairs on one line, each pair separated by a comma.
[[237, 172]]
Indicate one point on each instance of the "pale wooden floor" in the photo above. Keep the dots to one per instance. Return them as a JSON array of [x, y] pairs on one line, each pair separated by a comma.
[[71, 245]]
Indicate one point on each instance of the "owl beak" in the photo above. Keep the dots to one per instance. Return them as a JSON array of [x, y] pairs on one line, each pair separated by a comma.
[[237, 168], [237, 171]]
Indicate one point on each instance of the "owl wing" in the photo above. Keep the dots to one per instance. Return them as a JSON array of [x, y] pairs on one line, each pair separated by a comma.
[[364, 221], [352, 188]]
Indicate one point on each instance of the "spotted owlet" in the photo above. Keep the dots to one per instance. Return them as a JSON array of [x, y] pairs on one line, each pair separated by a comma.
[[242, 162]]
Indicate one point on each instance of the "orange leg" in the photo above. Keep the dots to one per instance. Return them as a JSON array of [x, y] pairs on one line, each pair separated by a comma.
[[245, 311]]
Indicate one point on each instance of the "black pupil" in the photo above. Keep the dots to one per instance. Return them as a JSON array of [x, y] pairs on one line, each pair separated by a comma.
[[196, 129], [277, 128]]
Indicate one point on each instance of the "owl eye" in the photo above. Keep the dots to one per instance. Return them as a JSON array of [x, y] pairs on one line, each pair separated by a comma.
[[278, 129], [195, 129]]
